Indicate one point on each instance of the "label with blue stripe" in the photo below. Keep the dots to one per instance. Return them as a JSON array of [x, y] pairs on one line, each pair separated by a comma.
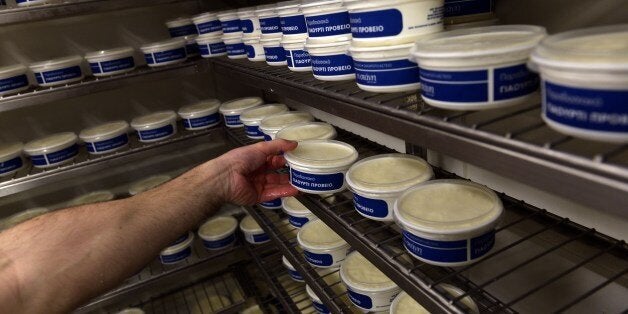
[[276, 203], [184, 30], [58, 75], [165, 56], [212, 49], [387, 73], [112, 66], [173, 258], [250, 51], [236, 49], [209, 27], [11, 165], [467, 7], [233, 120], [298, 58], [270, 25], [275, 54], [320, 308], [200, 122], [360, 300], [232, 26], [14, 82], [318, 259], [219, 244], [107, 145], [157, 133], [317, 182], [295, 275], [293, 25], [514, 81], [55, 157], [328, 24], [449, 251], [258, 238], [374, 24], [247, 26], [370, 207], [455, 86], [267, 138], [332, 65], [253, 131], [298, 221]]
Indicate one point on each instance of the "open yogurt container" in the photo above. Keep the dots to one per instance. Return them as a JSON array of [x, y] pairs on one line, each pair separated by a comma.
[[53, 150], [254, 49], [165, 52], [13, 79], [320, 166], [249, 23], [326, 20], [273, 124], [368, 288], [111, 61], [207, 23], [307, 131], [218, 233], [448, 222], [585, 82], [235, 46], [201, 115], [291, 19], [210, 45], [230, 22], [232, 109], [181, 27], [298, 215], [10, 158], [253, 233], [148, 184], [331, 61], [298, 59], [106, 138], [270, 25], [156, 126], [294, 274], [58, 71], [322, 247], [251, 118], [177, 252], [316, 301], [385, 69], [376, 182], [274, 52]]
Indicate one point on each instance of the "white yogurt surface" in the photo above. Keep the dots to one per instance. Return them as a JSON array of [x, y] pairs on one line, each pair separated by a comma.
[[93, 197], [259, 113], [104, 131], [307, 131], [317, 234], [389, 172], [405, 304], [250, 224], [361, 273], [322, 153], [217, 227], [50, 143], [279, 121], [148, 183], [295, 206], [239, 105], [200, 109]]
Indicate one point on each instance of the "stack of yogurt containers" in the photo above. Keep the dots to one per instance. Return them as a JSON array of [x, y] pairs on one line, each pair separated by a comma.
[[183, 27], [209, 38], [294, 30], [251, 34], [232, 34], [271, 35], [322, 247]]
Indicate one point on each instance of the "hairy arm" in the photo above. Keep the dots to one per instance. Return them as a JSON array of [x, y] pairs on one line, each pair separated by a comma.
[[57, 261]]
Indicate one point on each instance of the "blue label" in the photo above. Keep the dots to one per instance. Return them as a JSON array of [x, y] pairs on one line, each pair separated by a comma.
[[250, 51], [316, 182], [247, 26], [318, 259], [320, 308], [332, 65], [209, 27], [482, 244], [387, 73], [165, 56], [14, 82], [55, 157], [153, 134], [449, 251], [201, 121], [376, 23], [113, 65], [106, 145], [172, 258], [267, 138], [467, 7], [11, 164], [233, 120], [275, 54], [298, 221], [370, 207], [253, 130], [461, 86], [295, 275], [58, 75], [270, 25], [360, 300], [236, 49], [593, 109], [191, 49], [276, 203], [293, 25], [328, 24], [232, 26], [257, 238], [298, 59], [514, 81], [212, 49], [184, 30], [219, 244]]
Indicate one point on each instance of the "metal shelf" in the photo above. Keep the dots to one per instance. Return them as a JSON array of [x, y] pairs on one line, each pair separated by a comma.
[[512, 142]]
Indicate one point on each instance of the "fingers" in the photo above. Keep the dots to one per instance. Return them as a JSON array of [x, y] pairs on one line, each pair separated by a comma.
[[275, 147], [275, 162], [276, 178], [276, 191]]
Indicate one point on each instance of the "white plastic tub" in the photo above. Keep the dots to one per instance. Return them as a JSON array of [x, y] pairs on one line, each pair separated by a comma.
[[405, 304], [111, 61], [273, 124], [235, 47], [385, 69], [52, 150], [322, 247], [58, 71], [27, 3], [177, 252], [376, 182], [230, 23], [457, 12], [585, 82], [251, 118], [448, 222], [165, 52], [316, 301], [207, 23], [326, 20], [218, 233], [298, 215], [211, 45], [331, 61], [191, 48], [307, 131], [368, 288], [155, 126], [478, 68], [106, 138], [274, 52], [298, 59], [201, 115], [292, 20], [253, 233], [148, 184], [181, 27], [393, 22], [269, 21], [294, 274], [92, 198], [254, 49], [10, 158], [13, 79], [319, 166], [232, 109], [249, 22]]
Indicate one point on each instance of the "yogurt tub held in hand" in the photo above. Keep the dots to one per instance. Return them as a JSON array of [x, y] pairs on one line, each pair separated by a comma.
[[211, 46], [165, 52], [322, 247], [230, 23], [273, 124], [58, 71], [10, 158], [201, 115], [298, 215], [218, 233], [298, 59], [251, 118], [274, 52], [254, 49], [307, 131], [111, 61], [249, 23], [331, 61], [292, 20], [269, 21], [232, 109], [52, 150], [106, 138], [385, 69], [253, 233], [155, 126], [294, 274], [13, 79], [235, 46], [316, 301], [181, 27], [207, 23], [177, 252], [326, 20]]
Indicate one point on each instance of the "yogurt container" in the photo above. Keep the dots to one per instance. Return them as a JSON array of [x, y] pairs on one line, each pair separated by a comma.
[[230, 23], [269, 21], [457, 12], [316, 301], [191, 48], [201, 115], [207, 23], [13, 79], [326, 20], [385, 69], [448, 222], [254, 49], [585, 82], [307, 131], [10, 158], [211, 45], [111, 61], [106, 138], [298, 215], [319, 166], [405, 304], [178, 251], [251, 118], [27, 3], [181, 27], [253, 233], [52, 150], [275, 54], [368, 288], [273, 124], [231, 110], [58, 71], [165, 52], [393, 22], [22, 216], [218, 233], [249, 23], [478, 68], [291, 20], [331, 61], [91, 198], [235, 46], [298, 59], [272, 204], [156, 126], [322, 247], [148, 184], [294, 274], [376, 182]]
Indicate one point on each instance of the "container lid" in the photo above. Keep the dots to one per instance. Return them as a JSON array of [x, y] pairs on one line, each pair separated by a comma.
[[480, 41], [172, 43], [322, 154], [12, 70], [208, 38], [388, 173], [50, 143], [455, 292], [356, 271], [93, 197], [282, 120], [238, 105], [316, 234], [200, 109], [154, 119], [292, 206], [180, 21], [288, 4], [179, 246], [259, 113], [56, 63], [10, 150], [599, 48], [266, 9], [104, 130], [307, 131], [382, 52], [248, 224], [23, 216], [110, 53], [217, 228], [148, 183], [270, 41], [204, 16], [448, 206], [286, 262], [406, 304], [294, 41], [312, 3], [246, 11], [313, 42], [226, 13]]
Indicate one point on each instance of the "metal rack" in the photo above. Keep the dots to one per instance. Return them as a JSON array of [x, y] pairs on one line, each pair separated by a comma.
[[513, 142]]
